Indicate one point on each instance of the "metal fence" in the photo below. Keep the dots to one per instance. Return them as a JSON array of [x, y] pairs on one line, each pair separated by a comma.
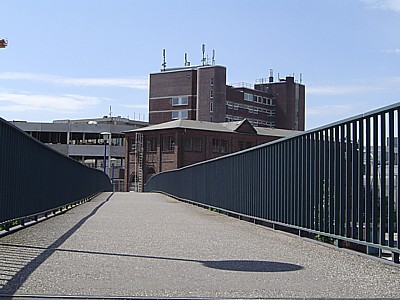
[[35, 178], [339, 181]]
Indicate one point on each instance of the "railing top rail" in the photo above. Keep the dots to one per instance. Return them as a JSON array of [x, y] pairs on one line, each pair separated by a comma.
[[296, 135], [19, 131], [357, 117]]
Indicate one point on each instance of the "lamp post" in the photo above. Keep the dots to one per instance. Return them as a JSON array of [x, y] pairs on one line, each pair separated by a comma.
[[106, 137], [113, 160]]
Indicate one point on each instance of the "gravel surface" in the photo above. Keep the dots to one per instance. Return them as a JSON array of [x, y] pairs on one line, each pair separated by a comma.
[[150, 245]]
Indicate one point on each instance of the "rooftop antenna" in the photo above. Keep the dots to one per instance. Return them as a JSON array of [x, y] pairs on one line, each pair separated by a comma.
[[203, 47], [110, 112], [164, 64], [213, 58], [301, 78], [187, 63]]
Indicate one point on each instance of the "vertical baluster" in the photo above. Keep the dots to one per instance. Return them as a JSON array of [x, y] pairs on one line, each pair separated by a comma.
[[337, 170], [361, 179], [326, 180], [343, 178], [332, 167], [391, 216], [355, 164], [383, 205], [368, 180], [375, 182], [348, 178]]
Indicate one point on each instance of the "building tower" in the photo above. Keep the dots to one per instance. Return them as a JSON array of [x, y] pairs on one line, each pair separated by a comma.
[[289, 101]]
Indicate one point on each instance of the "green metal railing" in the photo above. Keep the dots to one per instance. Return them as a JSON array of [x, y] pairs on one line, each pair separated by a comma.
[[36, 179], [339, 181]]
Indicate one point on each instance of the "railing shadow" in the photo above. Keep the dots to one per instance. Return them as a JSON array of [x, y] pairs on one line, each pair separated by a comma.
[[18, 262], [227, 265]]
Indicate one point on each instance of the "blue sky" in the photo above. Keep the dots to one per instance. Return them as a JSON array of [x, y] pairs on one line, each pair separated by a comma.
[[76, 58]]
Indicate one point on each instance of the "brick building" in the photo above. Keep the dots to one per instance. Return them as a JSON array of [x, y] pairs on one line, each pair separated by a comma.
[[201, 93], [179, 143]]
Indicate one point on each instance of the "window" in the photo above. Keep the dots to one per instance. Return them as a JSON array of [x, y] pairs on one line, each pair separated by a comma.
[[264, 100], [180, 101], [211, 107], [211, 93], [168, 143], [192, 144], [151, 145], [187, 144], [224, 146], [270, 112], [211, 81], [248, 97], [215, 143], [196, 143], [180, 114]]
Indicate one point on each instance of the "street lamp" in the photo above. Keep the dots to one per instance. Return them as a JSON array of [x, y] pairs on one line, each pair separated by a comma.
[[106, 137], [113, 160]]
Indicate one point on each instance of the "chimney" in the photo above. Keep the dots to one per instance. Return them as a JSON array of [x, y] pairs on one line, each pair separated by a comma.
[[271, 75]]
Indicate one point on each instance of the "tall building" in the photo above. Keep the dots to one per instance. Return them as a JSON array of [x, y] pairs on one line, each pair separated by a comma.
[[201, 93]]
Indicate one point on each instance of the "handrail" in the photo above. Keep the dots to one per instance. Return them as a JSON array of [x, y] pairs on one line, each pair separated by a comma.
[[339, 180], [35, 178]]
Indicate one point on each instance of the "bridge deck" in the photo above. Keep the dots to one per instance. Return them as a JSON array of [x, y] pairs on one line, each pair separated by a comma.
[[150, 245]]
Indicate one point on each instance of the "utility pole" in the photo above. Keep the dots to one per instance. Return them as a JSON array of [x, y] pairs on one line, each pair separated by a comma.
[[3, 43]]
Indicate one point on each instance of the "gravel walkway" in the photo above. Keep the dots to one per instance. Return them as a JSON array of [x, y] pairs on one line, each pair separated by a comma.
[[150, 245]]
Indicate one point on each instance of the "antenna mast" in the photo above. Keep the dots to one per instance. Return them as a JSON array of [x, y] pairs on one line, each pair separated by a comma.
[[203, 48], [187, 63], [164, 64], [213, 58]]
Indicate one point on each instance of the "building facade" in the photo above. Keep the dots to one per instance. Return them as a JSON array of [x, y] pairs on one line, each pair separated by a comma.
[[175, 144], [87, 141], [201, 93]]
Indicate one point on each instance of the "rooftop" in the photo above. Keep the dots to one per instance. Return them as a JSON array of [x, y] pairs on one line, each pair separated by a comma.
[[228, 127]]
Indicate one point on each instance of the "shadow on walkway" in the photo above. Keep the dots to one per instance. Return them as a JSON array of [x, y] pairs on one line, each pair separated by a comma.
[[229, 265], [17, 266]]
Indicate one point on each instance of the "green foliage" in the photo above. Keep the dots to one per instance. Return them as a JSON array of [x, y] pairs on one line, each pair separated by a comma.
[[324, 239], [15, 223]]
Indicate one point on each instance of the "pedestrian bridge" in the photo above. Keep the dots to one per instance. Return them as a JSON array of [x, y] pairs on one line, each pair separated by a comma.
[[152, 246], [337, 184]]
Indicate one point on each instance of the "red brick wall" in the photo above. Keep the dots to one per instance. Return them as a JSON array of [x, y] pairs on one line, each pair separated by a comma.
[[169, 160]]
